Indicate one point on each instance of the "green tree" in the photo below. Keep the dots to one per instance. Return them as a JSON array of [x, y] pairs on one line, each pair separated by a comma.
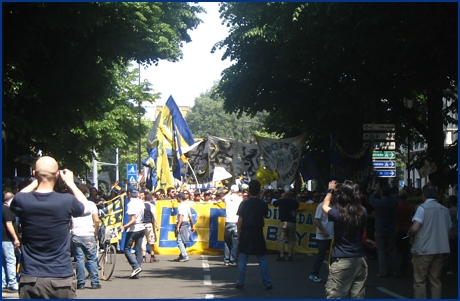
[[67, 59], [207, 117], [328, 68]]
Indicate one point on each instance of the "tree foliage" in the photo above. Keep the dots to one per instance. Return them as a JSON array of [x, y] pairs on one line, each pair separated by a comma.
[[207, 117], [328, 68], [66, 83]]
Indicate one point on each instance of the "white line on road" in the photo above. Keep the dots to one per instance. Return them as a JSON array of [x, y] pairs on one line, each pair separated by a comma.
[[384, 290], [209, 296], [205, 263], [207, 280]]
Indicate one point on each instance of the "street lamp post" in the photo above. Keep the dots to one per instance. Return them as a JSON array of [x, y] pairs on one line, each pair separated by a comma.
[[408, 103]]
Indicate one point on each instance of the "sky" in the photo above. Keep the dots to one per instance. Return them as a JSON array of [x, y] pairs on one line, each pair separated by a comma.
[[199, 68]]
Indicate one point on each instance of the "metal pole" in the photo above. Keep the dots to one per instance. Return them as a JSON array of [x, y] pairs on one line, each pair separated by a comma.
[[139, 122], [95, 173], [117, 168], [409, 182]]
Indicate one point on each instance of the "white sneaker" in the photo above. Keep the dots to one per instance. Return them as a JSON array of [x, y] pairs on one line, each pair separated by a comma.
[[314, 278], [136, 271]]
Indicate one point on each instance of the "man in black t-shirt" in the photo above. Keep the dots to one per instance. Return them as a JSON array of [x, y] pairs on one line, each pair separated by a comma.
[[287, 226], [46, 267], [250, 227]]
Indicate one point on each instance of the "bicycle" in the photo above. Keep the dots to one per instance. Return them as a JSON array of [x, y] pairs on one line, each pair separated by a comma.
[[107, 260]]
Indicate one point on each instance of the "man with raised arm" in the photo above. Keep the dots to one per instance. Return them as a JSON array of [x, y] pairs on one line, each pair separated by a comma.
[[46, 267]]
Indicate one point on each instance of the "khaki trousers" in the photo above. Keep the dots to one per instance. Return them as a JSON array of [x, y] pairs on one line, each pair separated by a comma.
[[427, 266], [347, 277]]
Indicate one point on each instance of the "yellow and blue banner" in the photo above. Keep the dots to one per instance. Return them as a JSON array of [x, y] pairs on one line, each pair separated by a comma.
[[209, 222], [111, 214]]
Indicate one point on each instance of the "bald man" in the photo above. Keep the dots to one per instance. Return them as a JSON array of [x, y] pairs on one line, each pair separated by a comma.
[[46, 267], [7, 198]]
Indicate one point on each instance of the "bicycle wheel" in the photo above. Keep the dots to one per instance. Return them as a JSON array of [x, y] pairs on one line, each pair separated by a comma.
[[107, 262]]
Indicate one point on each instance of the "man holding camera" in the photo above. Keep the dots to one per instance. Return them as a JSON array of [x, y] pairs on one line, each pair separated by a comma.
[[46, 267]]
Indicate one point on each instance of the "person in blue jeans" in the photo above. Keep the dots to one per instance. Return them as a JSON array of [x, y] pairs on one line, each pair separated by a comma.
[[10, 241], [250, 225], [135, 231], [84, 245], [324, 235], [232, 203]]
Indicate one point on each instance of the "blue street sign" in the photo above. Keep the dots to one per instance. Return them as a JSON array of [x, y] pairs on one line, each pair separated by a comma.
[[384, 164], [131, 171], [384, 173]]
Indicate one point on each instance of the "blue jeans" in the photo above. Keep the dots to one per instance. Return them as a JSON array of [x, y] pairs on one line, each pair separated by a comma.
[[181, 246], [85, 246], [323, 247], [263, 266], [8, 266], [231, 243], [135, 237]]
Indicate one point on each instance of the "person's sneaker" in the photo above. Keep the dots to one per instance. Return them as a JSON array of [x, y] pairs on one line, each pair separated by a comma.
[[153, 259], [136, 271], [178, 259], [270, 287], [95, 287], [233, 264], [290, 258], [239, 286], [183, 259], [279, 258], [226, 263], [13, 290], [314, 278], [5, 289], [80, 287]]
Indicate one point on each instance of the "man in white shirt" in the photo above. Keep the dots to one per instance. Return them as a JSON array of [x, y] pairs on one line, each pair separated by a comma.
[[430, 243], [184, 219], [232, 203], [84, 231], [135, 230], [324, 235]]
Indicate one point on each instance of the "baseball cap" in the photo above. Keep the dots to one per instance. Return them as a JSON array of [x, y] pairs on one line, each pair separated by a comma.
[[197, 192], [132, 190]]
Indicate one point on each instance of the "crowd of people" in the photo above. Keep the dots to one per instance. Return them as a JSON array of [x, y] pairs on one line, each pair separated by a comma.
[[352, 226]]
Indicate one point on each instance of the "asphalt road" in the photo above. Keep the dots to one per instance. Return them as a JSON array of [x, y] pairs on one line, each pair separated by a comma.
[[205, 277]]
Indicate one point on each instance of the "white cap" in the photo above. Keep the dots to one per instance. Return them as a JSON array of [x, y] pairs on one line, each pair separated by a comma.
[[234, 188]]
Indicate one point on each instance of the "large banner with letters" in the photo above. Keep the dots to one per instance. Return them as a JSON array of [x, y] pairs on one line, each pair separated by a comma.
[[282, 156], [111, 215], [356, 167], [209, 222]]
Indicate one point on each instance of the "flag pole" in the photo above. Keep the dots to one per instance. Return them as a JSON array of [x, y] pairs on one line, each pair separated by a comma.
[[193, 172]]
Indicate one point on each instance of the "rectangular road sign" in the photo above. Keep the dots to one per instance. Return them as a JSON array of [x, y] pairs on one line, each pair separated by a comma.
[[131, 173], [389, 136], [383, 155], [390, 145], [384, 164], [379, 127], [384, 173]]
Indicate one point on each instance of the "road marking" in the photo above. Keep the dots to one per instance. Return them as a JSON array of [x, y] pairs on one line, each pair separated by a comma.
[[384, 290], [205, 263], [209, 296], [207, 280]]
